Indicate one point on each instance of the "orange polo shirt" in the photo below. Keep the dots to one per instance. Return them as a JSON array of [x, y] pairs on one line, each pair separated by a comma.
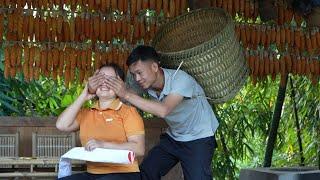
[[114, 124]]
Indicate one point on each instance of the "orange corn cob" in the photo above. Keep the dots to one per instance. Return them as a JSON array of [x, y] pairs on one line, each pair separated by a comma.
[[288, 36], [72, 30], [121, 5], [165, 6], [145, 4], [142, 29], [172, 8], [248, 33], [114, 5], [25, 28], [59, 24], [89, 59], [266, 64], [297, 38], [133, 7], [271, 65], [278, 37], [303, 40], [183, 5], [177, 7], [308, 43], [61, 63], [102, 30], [152, 4], [108, 30], [138, 6], [258, 36], [26, 63], [282, 36], [314, 40]]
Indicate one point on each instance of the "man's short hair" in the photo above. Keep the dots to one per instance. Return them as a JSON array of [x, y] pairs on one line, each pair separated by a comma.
[[143, 53]]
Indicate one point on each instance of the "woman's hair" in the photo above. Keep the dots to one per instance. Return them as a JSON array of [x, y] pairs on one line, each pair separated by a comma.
[[119, 72]]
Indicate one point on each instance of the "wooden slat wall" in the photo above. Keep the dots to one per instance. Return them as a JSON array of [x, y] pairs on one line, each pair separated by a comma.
[[26, 125]]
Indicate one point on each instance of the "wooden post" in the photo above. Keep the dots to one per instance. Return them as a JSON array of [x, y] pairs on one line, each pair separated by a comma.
[[275, 121]]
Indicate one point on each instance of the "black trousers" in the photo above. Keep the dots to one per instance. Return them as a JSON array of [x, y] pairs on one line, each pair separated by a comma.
[[113, 176], [195, 157]]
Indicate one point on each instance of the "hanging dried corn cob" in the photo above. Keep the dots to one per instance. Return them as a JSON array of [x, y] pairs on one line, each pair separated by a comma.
[[184, 6], [91, 4], [36, 68], [33, 26], [258, 35], [297, 38], [25, 27], [136, 29], [243, 35], [26, 54], [309, 44], [43, 30], [97, 59], [66, 31], [108, 25], [20, 26], [7, 62], [294, 64], [43, 62], [145, 4], [102, 30], [78, 28], [87, 26], [165, 5], [299, 65], [303, 65], [283, 69], [89, 59], [78, 57], [282, 37], [73, 61], [266, 64], [302, 40], [49, 27], [248, 33], [31, 62], [172, 7], [263, 36], [271, 65], [142, 29], [287, 35], [133, 8], [72, 30], [49, 62], [59, 24], [114, 5], [118, 27], [139, 6], [278, 37], [256, 65], [124, 28], [54, 28], [96, 26], [280, 15], [313, 38], [61, 63]]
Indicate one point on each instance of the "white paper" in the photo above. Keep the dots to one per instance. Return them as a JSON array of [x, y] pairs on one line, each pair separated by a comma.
[[97, 155]]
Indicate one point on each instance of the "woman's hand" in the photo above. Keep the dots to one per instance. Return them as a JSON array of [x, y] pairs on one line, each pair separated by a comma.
[[93, 144], [95, 81], [86, 94]]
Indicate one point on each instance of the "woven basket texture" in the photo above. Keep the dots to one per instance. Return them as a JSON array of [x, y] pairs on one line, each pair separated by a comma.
[[206, 42]]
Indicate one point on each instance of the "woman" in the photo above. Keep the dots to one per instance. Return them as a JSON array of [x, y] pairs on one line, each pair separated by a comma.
[[109, 124]]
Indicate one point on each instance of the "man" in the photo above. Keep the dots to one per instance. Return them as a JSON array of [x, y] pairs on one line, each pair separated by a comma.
[[180, 100]]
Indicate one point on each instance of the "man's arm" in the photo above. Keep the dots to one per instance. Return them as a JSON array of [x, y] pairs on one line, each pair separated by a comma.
[[161, 109]]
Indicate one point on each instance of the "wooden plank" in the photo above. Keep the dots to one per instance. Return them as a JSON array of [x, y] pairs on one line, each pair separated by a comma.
[[35, 161], [8, 121]]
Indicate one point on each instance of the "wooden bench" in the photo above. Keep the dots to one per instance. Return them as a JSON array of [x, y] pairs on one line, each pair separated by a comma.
[[25, 126]]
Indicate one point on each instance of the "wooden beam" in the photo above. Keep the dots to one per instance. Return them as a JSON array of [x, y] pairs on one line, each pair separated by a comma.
[[9, 121]]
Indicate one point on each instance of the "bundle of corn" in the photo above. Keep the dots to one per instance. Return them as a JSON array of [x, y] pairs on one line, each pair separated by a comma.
[[206, 42]]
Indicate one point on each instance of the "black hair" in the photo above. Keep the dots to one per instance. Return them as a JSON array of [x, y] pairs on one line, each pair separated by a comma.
[[117, 69], [143, 53]]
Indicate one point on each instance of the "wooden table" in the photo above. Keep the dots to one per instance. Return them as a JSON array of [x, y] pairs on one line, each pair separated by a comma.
[[31, 163]]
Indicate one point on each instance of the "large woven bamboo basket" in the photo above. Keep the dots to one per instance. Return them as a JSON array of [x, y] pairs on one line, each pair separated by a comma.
[[206, 42]]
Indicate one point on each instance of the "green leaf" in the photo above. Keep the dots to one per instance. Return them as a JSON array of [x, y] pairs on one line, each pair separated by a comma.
[[66, 101]]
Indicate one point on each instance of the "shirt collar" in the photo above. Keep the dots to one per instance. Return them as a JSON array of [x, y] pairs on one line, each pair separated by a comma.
[[115, 105], [166, 87]]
